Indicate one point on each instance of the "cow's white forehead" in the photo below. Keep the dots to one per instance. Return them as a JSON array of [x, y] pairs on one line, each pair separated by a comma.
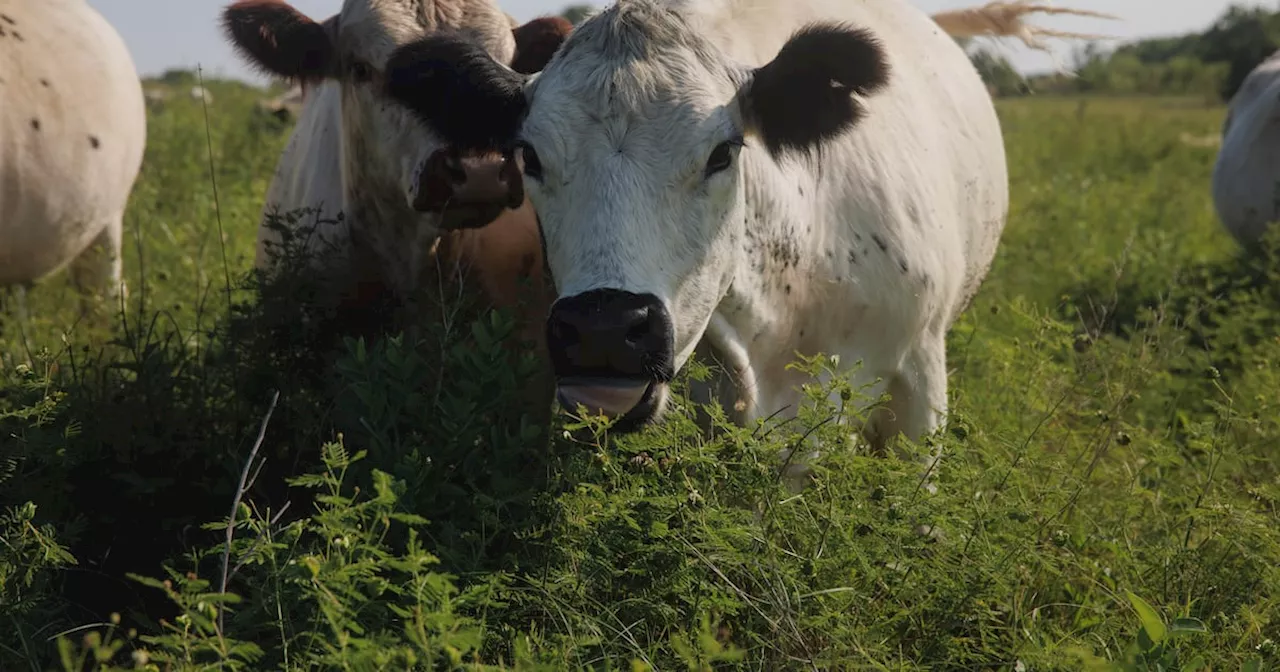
[[375, 28], [634, 54]]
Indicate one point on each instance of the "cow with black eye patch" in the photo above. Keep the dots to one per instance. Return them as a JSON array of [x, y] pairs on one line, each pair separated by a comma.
[[751, 180], [397, 184]]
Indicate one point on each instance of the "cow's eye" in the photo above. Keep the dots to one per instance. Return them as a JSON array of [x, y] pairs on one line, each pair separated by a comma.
[[721, 157], [532, 164], [360, 71]]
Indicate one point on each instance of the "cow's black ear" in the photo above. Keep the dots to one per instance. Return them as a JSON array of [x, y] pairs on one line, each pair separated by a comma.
[[456, 88], [280, 40], [803, 97], [537, 41]]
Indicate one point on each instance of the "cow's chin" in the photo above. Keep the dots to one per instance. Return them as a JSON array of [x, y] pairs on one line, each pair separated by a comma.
[[632, 403], [469, 216]]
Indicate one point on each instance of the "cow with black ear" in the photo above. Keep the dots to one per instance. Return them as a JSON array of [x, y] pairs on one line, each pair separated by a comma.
[[808, 176], [396, 182]]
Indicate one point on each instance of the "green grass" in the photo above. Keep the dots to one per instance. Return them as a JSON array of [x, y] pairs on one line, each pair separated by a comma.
[[1108, 498]]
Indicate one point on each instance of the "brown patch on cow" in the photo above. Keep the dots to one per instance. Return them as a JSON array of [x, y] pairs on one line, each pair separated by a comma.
[[537, 41], [505, 260], [35, 124], [93, 141], [280, 40]]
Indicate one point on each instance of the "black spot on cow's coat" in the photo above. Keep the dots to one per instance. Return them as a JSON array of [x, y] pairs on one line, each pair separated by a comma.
[[35, 124], [802, 97], [93, 141], [880, 242]]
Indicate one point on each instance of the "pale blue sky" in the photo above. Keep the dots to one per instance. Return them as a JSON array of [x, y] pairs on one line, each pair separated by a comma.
[[181, 33]]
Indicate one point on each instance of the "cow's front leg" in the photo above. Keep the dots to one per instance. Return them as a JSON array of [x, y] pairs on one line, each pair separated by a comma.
[[797, 472], [918, 401], [98, 272], [13, 300]]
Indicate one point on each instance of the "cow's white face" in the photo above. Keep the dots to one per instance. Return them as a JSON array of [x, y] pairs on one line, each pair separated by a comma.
[[387, 149], [633, 169], [390, 158], [633, 139]]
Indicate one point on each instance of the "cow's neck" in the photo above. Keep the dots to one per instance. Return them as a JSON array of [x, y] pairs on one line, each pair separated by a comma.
[[391, 243], [776, 298]]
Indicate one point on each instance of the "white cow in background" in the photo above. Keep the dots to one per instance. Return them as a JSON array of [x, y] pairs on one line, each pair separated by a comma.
[[72, 133], [1246, 175], [753, 179], [201, 94]]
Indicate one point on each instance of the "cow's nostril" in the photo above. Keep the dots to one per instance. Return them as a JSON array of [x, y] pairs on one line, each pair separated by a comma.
[[608, 334], [562, 332], [637, 333]]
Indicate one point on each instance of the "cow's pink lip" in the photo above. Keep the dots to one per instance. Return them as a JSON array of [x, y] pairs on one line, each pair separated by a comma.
[[611, 397]]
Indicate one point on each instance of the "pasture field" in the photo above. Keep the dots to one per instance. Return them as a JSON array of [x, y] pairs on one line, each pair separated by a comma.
[[1110, 496]]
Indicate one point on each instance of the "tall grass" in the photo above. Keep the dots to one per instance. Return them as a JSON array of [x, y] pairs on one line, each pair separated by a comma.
[[1108, 498]]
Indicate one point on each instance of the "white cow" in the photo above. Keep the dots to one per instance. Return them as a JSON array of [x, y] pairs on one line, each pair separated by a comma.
[[356, 152], [755, 178], [72, 133], [1246, 175], [201, 94]]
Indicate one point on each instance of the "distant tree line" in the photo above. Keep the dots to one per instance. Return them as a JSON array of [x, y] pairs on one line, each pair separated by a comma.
[[1213, 63], [576, 13]]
